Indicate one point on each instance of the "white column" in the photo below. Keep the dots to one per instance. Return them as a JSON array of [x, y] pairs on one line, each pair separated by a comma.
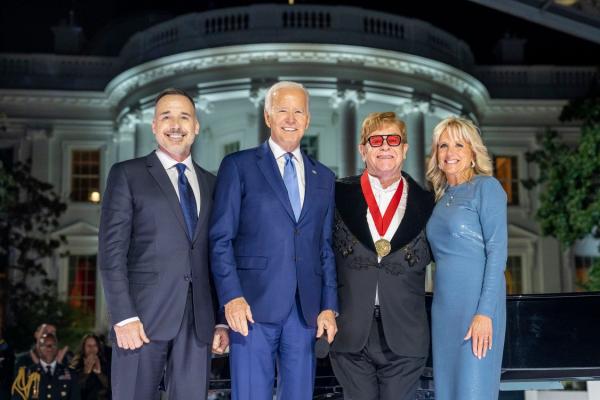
[[593, 390], [257, 97], [346, 102], [126, 136], [413, 114], [40, 153], [202, 150], [144, 139]]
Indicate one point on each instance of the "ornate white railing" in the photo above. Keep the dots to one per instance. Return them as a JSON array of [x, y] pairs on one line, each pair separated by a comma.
[[296, 24], [536, 81]]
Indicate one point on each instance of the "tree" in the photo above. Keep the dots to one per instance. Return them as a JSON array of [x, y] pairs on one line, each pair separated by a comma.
[[570, 177], [29, 212]]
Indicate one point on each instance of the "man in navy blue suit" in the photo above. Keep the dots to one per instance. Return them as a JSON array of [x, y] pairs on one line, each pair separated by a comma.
[[271, 254], [153, 250]]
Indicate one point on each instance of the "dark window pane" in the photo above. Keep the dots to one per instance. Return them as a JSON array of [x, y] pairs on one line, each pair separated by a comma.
[[82, 282], [505, 170], [85, 172]]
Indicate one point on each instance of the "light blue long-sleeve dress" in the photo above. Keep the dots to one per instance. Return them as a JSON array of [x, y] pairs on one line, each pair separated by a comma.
[[468, 236]]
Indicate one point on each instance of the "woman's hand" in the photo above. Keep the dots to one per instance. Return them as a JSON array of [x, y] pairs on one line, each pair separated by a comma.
[[480, 332], [88, 364], [96, 368]]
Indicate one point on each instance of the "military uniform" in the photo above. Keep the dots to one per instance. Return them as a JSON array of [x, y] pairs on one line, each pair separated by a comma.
[[33, 383], [7, 359]]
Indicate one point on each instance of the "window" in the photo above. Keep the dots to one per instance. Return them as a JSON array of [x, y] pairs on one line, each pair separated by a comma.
[[82, 282], [505, 170], [231, 147], [85, 175], [582, 269], [310, 145], [514, 275]]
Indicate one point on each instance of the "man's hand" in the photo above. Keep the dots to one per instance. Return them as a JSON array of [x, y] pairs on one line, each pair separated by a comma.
[[131, 336], [220, 340], [326, 322], [237, 313]]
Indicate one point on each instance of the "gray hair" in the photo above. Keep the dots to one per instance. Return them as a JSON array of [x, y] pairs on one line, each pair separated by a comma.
[[281, 85]]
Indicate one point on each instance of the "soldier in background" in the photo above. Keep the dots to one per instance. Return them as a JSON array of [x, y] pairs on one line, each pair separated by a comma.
[[7, 360], [32, 356], [49, 379]]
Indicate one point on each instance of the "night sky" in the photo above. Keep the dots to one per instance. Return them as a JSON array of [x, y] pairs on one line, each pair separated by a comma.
[[25, 25]]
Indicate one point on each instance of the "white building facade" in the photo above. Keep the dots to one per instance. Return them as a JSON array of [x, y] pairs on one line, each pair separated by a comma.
[[75, 116]]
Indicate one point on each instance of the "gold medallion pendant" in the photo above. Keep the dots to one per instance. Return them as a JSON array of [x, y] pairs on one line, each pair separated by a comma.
[[383, 247]]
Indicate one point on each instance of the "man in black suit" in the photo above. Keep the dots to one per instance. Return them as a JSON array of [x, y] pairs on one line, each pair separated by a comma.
[[153, 252], [381, 254]]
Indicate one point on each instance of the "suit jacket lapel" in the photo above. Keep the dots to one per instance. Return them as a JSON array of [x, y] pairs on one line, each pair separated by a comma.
[[310, 185], [155, 168], [205, 200], [268, 166], [352, 207], [411, 223]]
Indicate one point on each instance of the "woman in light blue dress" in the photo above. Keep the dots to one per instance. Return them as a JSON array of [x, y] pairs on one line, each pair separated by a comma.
[[468, 236]]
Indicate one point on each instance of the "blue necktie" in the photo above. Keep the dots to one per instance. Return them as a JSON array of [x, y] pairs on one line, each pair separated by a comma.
[[291, 184], [187, 201]]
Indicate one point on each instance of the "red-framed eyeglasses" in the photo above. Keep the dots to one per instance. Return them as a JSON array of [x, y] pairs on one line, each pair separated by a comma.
[[392, 140]]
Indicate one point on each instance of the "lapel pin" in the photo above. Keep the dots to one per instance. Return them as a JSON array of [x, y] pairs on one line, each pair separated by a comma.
[[314, 172]]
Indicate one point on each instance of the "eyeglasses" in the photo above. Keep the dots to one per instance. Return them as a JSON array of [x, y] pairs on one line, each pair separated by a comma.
[[392, 140]]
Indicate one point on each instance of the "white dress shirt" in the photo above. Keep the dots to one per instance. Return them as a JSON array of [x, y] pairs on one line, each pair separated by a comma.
[[383, 198], [45, 365], [190, 173], [279, 154]]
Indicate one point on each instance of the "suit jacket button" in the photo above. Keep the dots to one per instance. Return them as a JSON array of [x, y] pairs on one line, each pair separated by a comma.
[[297, 232]]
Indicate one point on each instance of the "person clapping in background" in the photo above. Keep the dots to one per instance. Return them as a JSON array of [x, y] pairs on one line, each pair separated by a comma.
[[92, 369]]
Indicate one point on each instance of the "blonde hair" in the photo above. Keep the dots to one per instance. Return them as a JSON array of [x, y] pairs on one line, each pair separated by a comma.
[[459, 129], [378, 120]]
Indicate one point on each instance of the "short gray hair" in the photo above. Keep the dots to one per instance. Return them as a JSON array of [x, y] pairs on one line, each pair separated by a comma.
[[281, 85]]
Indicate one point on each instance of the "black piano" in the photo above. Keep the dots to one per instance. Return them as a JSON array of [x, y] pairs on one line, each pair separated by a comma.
[[549, 337]]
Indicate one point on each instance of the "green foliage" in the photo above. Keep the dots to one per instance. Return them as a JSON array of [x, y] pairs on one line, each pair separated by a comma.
[[34, 308], [29, 213], [570, 178], [593, 283], [570, 200]]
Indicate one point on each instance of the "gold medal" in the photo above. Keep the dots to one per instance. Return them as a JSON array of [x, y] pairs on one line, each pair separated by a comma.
[[383, 247]]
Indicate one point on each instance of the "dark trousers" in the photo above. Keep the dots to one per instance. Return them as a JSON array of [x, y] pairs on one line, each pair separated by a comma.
[[376, 373], [184, 361]]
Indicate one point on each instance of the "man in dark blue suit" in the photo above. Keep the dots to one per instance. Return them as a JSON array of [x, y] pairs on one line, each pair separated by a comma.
[[271, 254], [153, 250]]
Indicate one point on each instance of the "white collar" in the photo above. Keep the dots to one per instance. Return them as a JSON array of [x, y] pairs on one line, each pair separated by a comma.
[[279, 152], [376, 185], [45, 364], [168, 162]]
